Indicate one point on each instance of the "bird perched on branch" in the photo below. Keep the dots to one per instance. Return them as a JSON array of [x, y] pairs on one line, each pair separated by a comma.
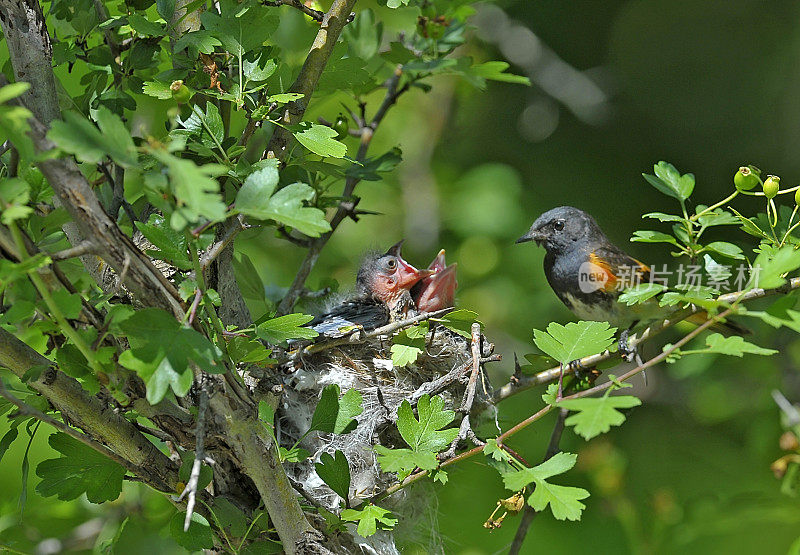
[[383, 295], [438, 290], [589, 273]]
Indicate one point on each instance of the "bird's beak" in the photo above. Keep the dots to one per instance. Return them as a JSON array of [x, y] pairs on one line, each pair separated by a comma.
[[438, 291], [408, 275], [532, 235], [395, 249]]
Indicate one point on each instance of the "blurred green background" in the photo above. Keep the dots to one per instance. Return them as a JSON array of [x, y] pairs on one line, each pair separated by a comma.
[[618, 86]]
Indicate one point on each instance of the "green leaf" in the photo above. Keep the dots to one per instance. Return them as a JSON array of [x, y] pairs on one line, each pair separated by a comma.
[[198, 41], [669, 181], [726, 249], [405, 348], [257, 188], [369, 518], [564, 501], [320, 140], [334, 471], [404, 461], [749, 226], [335, 415], [495, 71], [595, 416], [717, 216], [460, 321], [641, 293], [662, 217], [162, 350], [144, 27], [426, 434], [734, 345], [14, 120], [79, 469], [283, 98], [76, 135], [574, 341], [286, 207], [197, 193], [249, 351], [653, 237], [769, 270], [240, 31], [278, 330], [253, 71], [373, 167], [171, 244], [14, 198], [197, 538], [157, 89]]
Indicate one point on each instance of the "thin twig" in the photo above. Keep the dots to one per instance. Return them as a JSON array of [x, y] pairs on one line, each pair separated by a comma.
[[347, 205], [519, 384], [302, 491], [84, 247], [26, 409], [232, 228], [199, 457], [546, 409], [359, 336], [529, 513]]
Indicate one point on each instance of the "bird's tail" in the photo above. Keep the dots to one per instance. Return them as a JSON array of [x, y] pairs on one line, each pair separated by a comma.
[[726, 328]]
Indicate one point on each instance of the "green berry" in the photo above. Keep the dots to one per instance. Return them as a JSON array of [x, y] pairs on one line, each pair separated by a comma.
[[180, 92], [341, 126], [771, 186], [745, 179], [797, 197]]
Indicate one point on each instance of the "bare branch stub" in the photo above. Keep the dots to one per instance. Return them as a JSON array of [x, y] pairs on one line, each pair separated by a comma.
[[199, 457]]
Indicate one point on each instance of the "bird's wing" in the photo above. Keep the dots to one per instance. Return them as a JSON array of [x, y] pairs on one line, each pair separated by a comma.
[[363, 313], [622, 269]]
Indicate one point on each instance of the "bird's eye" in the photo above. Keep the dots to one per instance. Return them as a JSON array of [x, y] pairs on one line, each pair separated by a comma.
[[559, 225], [391, 264]]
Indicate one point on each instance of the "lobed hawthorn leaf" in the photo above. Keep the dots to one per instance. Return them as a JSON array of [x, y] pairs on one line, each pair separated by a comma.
[[669, 181], [145, 27], [596, 415], [404, 461], [335, 415], [769, 269], [369, 518], [574, 341], [14, 199], [734, 345], [283, 328], [460, 321], [79, 469], [319, 139], [334, 471], [647, 236], [407, 346], [157, 89], [726, 249], [240, 30], [198, 41], [373, 167], [78, 136], [641, 293], [425, 433], [162, 350], [564, 501], [171, 244], [496, 71]]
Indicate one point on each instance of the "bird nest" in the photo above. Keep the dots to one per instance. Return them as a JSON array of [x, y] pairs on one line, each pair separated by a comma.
[[443, 368]]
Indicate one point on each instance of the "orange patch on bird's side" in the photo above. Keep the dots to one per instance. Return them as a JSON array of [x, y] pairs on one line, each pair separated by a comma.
[[610, 281]]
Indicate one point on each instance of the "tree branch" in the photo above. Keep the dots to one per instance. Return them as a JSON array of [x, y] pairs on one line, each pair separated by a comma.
[[519, 384], [87, 412], [330, 28]]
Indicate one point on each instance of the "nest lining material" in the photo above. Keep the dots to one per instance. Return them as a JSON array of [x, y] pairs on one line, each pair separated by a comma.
[[368, 368]]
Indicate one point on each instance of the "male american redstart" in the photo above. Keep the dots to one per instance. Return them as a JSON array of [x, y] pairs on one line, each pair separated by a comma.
[[589, 273]]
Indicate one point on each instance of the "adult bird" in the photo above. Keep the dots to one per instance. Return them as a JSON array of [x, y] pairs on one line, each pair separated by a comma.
[[382, 295], [589, 273]]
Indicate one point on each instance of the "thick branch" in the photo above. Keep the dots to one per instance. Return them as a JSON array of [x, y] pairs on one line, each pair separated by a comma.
[[31, 54], [98, 420]]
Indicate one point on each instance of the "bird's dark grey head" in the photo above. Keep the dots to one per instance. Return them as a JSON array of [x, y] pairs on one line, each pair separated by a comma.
[[561, 228], [387, 277]]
